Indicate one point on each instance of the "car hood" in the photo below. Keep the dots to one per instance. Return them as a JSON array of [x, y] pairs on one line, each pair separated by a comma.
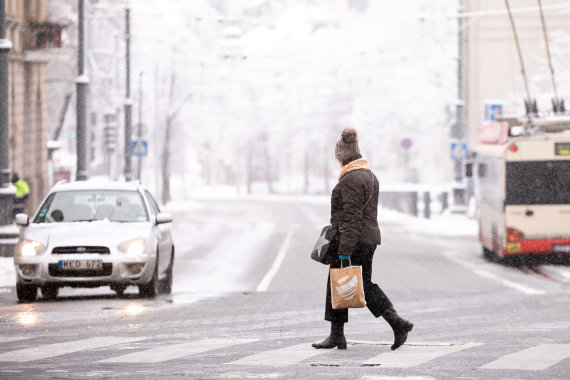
[[86, 233]]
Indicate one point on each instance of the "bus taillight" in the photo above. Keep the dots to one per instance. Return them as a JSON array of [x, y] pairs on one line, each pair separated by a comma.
[[514, 235], [513, 148]]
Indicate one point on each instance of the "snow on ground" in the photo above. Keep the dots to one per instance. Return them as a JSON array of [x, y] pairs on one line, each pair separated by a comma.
[[445, 225], [7, 273]]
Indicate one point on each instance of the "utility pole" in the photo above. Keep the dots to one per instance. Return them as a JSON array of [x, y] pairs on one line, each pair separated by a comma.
[[458, 129], [6, 194], [82, 82], [128, 100], [140, 126]]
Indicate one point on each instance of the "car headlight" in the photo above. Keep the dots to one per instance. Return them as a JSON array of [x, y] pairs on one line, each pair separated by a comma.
[[133, 247], [32, 248]]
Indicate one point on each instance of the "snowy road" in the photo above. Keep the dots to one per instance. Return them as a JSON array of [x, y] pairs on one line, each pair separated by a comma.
[[247, 302]]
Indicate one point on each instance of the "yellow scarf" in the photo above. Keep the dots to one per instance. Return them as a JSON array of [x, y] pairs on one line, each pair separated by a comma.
[[360, 163]]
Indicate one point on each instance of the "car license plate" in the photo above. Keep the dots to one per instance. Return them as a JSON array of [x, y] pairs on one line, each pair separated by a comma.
[[80, 264], [561, 248]]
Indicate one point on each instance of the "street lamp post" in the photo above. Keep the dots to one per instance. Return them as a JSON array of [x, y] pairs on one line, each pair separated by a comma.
[[7, 194], [82, 82], [140, 126], [458, 129], [128, 101]]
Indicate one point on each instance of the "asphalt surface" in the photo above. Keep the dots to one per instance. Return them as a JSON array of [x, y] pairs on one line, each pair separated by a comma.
[[248, 302]]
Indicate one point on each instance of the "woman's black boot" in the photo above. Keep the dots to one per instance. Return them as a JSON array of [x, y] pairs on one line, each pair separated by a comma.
[[336, 339], [400, 326]]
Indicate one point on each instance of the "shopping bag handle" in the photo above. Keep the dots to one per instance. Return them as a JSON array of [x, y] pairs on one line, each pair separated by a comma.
[[342, 257]]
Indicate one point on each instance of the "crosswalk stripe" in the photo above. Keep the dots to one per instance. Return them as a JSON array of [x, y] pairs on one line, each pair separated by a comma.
[[382, 377], [175, 351], [535, 358], [411, 355], [52, 350], [280, 357], [7, 339]]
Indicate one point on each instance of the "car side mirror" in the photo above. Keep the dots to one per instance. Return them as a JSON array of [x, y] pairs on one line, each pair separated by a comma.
[[22, 220], [163, 217]]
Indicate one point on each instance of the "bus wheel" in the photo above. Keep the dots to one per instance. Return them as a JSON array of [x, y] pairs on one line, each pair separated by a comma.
[[513, 261], [489, 255]]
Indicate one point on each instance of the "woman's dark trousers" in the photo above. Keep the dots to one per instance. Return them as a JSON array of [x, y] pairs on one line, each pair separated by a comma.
[[376, 300]]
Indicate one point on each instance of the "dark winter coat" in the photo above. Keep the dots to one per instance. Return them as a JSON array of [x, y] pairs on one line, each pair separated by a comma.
[[354, 208]]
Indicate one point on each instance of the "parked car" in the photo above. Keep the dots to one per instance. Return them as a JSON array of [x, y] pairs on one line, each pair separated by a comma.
[[90, 234]]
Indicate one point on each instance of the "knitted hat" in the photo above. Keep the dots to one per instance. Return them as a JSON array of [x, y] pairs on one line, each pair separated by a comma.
[[347, 146]]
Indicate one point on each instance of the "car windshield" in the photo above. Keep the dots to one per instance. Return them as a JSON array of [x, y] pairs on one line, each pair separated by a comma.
[[91, 205]]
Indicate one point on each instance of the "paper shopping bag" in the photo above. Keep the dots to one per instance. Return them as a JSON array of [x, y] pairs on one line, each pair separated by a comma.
[[347, 290]]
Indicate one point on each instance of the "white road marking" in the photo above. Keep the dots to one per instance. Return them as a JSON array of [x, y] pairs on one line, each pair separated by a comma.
[[52, 350], [175, 351], [411, 356], [486, 274], [281, 357], [247, 375], [535, 358], [264, 284], [379, 377], [389, 343], [6, 339]]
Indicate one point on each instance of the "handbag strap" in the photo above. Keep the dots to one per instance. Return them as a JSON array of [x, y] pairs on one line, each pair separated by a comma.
[[371, 193]]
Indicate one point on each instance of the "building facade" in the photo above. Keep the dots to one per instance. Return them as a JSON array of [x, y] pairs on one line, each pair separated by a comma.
[[34, 39]]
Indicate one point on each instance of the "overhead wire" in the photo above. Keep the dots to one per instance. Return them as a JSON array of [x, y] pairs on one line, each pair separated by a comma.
[[556, 99], [523, 72]]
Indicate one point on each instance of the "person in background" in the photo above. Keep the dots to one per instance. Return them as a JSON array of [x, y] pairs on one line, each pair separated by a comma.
[[22, 194], [354, 213]]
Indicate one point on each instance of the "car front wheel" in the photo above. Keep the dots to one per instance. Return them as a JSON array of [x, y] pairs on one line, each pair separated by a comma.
[[119, 289], [151, 289], [166, 284], [26, 293], [50, 292]]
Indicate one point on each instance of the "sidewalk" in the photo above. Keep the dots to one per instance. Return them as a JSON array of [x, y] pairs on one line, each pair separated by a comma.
[[446, 224]]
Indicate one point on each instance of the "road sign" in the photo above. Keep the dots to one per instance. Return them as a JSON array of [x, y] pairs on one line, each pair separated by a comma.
[[406, 143], [139, 148], [493, 111], [458, 151]]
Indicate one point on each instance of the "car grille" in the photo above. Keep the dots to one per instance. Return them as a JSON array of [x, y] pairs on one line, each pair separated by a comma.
[[54, 271], [80, 249]]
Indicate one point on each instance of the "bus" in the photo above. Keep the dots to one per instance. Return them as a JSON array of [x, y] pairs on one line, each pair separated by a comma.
[[522, 189]]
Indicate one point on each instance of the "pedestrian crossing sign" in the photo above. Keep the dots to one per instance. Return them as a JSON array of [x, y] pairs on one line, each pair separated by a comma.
[[139, 148], [458, 151]]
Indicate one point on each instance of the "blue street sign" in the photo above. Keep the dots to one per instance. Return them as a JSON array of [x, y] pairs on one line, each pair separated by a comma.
[[139, 148], [493, 111], [458, 151]]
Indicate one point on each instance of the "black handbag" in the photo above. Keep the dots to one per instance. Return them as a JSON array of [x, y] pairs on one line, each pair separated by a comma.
[[326, 249], [327, 246]]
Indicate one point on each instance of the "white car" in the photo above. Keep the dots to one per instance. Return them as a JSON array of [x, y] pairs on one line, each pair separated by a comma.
[[90, 234]]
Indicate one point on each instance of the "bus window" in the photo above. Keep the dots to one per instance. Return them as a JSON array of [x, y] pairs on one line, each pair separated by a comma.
[[538, 182]]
